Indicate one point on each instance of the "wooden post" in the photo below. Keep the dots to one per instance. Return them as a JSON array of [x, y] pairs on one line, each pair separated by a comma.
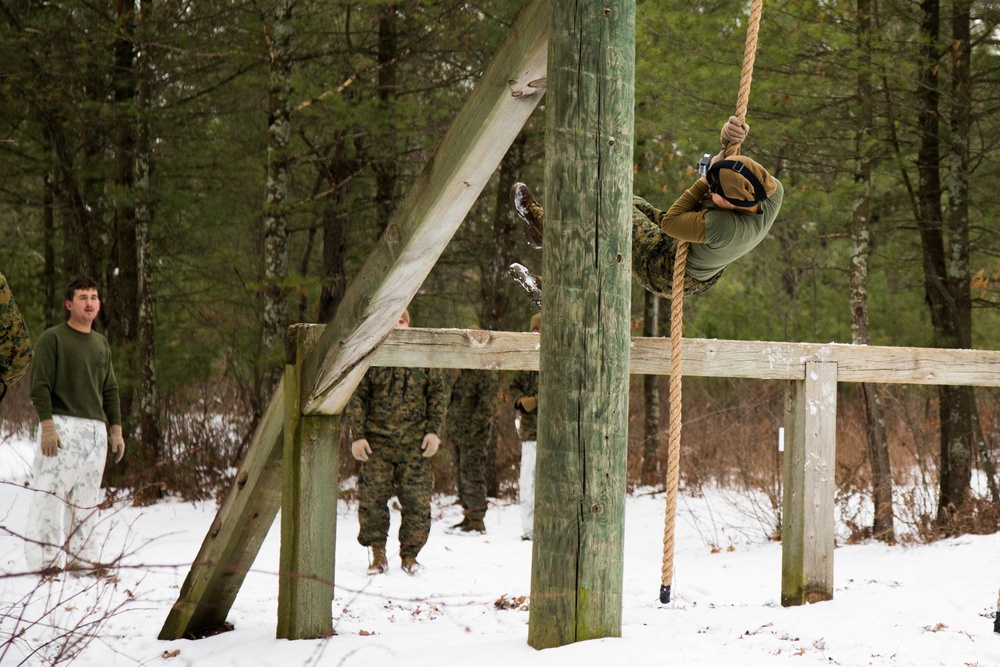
[[576, 581], [432, 210], [437, 203], [809, 466], [308, 503], [232, 542]]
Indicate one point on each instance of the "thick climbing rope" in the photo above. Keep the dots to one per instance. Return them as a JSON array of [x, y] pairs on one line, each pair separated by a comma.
[[676, 323]]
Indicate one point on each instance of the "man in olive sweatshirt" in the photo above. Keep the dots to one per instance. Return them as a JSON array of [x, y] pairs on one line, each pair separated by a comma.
[[75, 394]]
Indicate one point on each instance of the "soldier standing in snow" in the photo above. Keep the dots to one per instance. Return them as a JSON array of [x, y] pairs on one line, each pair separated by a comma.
[[524, 393], [470, 420], [75, 394], [395, 416]]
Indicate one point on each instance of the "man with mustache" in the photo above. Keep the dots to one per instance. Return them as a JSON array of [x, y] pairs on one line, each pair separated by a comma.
[[75, 394]]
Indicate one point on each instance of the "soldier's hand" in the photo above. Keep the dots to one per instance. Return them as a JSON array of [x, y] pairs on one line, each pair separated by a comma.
[[360, 449], [528, 403], [430, 444], [50, 438], [117, 442], [734, 132]]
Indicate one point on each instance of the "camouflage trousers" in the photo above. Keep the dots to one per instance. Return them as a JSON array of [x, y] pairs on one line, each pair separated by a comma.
[[15, 346], [526, 484], [470, 452], [653, 254], [406, 475], [67, 491]]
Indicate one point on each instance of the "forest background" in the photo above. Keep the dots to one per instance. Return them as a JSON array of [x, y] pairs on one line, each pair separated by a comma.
[[224, 167]]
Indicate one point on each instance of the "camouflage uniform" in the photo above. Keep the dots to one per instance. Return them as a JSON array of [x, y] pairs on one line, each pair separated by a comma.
[[393, 408], [525, 384], [15, 345], [653, 253], [470, 420]]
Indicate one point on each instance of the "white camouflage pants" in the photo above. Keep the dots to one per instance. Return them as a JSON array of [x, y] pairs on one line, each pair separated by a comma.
[[527, 487], [66, 494]]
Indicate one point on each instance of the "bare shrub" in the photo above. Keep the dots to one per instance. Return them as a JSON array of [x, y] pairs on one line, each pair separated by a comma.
[[50, 617], [56, 620], [729, 441], [17, 414], [204, 432]]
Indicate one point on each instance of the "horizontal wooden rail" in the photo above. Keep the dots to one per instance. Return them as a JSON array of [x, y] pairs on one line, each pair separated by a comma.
[[461, 348]]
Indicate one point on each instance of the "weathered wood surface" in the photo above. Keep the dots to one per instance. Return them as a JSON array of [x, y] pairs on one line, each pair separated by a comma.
[[483, 130], [232, 543], [807, 519], [432, 211], [579, 531], [309, 504], [459, 348]]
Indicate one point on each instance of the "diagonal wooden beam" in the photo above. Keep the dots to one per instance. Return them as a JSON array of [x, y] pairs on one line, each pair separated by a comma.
[[471, 150], [232, 543], [439, 200]]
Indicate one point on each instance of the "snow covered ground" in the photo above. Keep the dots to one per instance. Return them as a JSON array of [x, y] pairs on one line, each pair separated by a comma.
[[917, 605]]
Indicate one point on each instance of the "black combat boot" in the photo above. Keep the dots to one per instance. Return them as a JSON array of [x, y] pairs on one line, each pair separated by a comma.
[[530, 211], [530, 283]]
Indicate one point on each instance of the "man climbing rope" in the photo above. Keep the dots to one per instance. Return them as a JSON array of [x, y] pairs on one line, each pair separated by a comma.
[[724, 215]]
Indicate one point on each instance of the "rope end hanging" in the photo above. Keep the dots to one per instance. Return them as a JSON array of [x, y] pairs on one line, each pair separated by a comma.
[[676, 320]]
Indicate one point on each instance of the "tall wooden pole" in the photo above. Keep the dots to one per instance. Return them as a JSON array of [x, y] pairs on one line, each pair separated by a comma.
[[576, 582]]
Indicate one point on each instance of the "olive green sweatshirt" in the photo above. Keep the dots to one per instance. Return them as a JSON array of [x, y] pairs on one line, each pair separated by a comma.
[[72, 375], [717, 237]]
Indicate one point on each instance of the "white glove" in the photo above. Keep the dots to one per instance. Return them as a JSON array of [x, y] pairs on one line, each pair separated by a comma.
[[360, 449], [430, 445]]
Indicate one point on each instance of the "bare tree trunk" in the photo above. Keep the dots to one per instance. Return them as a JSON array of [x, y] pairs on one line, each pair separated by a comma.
[[651, 432], [385, 163], [334, 253], [79, 191], [878, 448], [149, 424], [493, 282], [959, 177], [947, 315], [338, 171], [120, 282], [48, 241], [274, 309]]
